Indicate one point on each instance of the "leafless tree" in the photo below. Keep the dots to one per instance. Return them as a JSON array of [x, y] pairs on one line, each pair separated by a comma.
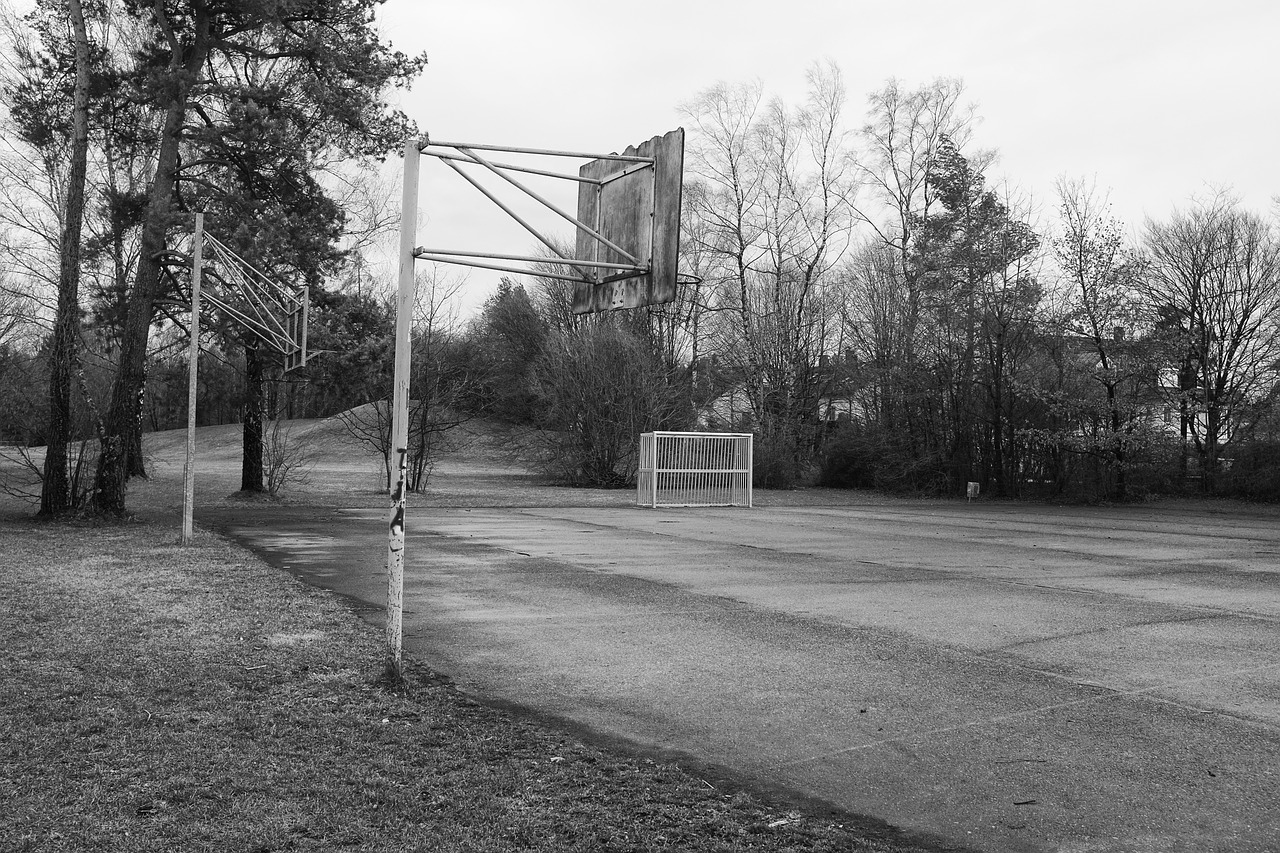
[[900, 141], [884, 314], [30, 213], [438, 383], [1215, 289], [285, 459], [1103, 314], [599, 386], [371, 201], [775, 214], [16, 311]]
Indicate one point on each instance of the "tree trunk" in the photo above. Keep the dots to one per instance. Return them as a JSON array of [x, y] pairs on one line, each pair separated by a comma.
[[123, 427], [997, 403], [56, 494], [123, 420], [1186, 383], [1209, 465], [251, 472], [1120, 453], [135, 464]]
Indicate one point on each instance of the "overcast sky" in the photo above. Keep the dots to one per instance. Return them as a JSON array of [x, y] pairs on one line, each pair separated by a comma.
[[1155, 100]]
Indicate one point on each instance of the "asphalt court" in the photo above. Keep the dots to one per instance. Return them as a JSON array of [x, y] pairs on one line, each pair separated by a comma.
[[1002, 677]]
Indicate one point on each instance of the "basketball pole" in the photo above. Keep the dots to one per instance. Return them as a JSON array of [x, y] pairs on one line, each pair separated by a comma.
[[193, 359], [400, 418]]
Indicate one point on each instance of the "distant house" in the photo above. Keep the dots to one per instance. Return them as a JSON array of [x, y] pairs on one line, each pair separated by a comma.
[[1152, 392], [729, 409], [730, 406]]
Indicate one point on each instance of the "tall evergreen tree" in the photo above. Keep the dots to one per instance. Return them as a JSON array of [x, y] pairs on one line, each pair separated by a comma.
[[266, 89], [970, 254]]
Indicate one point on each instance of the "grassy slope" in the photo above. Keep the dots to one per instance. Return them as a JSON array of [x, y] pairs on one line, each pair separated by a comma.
[[159, 698]]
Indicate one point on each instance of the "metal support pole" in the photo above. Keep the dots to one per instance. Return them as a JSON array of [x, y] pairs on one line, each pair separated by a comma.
[[400, 407], [193, 359], [306, 310]]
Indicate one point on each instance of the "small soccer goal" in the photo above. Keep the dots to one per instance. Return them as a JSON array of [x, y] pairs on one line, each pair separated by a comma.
[[694, 469]]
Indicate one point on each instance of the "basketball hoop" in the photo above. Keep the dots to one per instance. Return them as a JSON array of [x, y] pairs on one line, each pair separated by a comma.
[[627, 223], [625, 256]]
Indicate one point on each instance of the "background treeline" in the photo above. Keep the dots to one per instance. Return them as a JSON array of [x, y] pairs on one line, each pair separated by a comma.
[[864, 300], [879, 315]]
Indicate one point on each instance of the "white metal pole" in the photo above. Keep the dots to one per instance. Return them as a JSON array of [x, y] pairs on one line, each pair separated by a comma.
[[400, 408], [193, 359]]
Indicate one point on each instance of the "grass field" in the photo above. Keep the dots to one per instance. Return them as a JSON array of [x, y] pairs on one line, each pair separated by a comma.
[[160, 698]]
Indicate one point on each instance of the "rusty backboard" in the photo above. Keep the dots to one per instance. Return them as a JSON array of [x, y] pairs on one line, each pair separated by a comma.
[[637, 206]]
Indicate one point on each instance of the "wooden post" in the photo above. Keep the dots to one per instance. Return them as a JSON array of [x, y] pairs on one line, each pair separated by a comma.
[[193, 359], [400, 408]]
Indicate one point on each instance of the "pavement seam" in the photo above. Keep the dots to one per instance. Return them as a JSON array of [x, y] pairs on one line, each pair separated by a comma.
[[1116, 629], [1110, 694]]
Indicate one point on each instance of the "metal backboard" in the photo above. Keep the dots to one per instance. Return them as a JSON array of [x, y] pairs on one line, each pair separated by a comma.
[[637, 207], [296, 354]]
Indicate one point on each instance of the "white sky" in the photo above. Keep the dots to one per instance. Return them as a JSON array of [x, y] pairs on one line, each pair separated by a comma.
[[1156, 100]]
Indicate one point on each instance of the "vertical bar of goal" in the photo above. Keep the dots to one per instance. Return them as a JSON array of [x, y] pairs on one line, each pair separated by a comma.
[[652, 449]]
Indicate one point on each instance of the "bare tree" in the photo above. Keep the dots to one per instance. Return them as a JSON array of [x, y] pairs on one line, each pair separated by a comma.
[[16, 311], [439, 382], [599, 386], [885, 316], [775, 211], [1101, 278], [370, 198], [32, 182], [286, 459], [872, 307], [901, 140], [1215, 288]]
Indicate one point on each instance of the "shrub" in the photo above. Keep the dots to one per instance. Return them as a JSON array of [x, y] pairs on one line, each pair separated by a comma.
[[285, 458], [861, 457], [600, 387], [1254, 473]]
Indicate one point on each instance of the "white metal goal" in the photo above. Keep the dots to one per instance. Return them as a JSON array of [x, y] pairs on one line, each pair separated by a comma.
[[694, 469]]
